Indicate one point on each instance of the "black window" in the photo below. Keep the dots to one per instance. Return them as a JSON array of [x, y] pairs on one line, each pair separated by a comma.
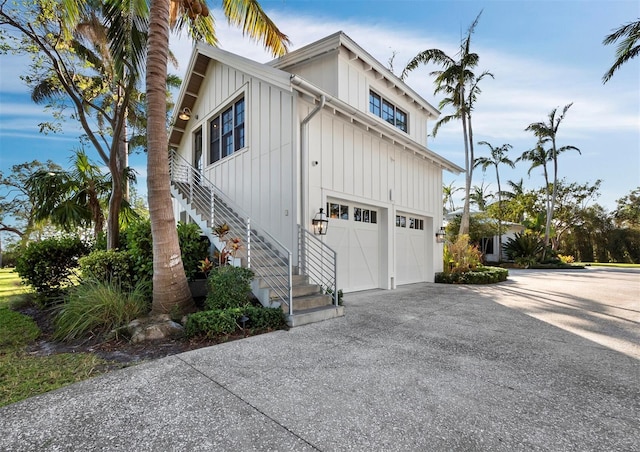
[[387, 111], [227, 132]]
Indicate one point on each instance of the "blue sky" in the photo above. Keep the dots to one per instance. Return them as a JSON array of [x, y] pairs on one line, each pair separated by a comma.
[[544, 54]]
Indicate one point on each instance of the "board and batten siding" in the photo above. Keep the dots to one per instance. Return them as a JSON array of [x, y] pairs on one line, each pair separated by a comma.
[[260, 177], [356, 80], [363, 164]]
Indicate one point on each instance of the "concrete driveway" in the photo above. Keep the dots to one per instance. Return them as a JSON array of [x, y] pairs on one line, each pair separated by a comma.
[[544, 361]]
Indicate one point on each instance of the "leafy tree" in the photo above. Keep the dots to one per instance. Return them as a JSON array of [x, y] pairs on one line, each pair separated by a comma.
[[547, 132], [572, 202], [17, 205], [518, 202], [627, 213], [498, 157], [461, 88], [73, 68], [628, 48]]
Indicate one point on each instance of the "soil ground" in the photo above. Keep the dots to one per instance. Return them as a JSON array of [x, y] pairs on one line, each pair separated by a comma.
[[118, 352]]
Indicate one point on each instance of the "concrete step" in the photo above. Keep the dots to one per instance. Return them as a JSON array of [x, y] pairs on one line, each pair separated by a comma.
[[310, 301], [306, 316], [303, 290]]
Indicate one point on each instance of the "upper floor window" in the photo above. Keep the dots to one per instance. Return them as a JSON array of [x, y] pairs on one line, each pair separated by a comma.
[[387, 111], [227, 132]]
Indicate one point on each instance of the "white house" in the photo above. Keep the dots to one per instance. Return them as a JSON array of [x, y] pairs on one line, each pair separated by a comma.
[[324, 127]]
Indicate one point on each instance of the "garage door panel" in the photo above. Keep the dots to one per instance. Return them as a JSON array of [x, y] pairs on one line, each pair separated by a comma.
[[411, 251], [358, 247]]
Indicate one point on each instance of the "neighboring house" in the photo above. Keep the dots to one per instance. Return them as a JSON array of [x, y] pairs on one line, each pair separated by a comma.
[[489, 245], [324, 127]]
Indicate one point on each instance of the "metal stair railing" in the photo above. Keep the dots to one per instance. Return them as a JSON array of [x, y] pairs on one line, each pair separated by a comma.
[[269, 259], [319, 262]]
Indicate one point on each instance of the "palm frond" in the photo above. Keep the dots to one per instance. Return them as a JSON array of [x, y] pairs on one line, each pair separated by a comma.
[[249, 15]]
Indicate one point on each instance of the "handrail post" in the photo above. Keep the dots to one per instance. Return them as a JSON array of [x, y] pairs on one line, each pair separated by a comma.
[[248, 242], [290, 284]]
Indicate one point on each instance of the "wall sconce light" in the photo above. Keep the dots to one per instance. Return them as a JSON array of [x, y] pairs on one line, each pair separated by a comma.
[[185, 114], [320, 223], [440, 235]]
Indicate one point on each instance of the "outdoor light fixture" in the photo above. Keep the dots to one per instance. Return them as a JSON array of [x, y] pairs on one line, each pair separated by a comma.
[[440, 235], [320, 223], [185, 114]]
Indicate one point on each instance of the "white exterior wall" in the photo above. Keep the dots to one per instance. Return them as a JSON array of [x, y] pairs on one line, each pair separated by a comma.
[[360, 166], [355, 82], [261, 177]]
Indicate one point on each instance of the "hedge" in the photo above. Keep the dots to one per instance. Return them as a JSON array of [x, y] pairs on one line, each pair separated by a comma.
[[480, 275]]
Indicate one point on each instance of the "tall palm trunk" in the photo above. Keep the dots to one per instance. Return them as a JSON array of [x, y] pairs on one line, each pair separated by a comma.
[[468, 162], [170, 287]]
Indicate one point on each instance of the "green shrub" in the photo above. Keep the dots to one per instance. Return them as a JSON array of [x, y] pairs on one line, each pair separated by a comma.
[[218, 322], [17, 329], [98, 307], [49, 264], [524, 248], [229, 287], [107, 266], [481, 275], [193, 247], [210, 323], [263, 318], [137, 237]]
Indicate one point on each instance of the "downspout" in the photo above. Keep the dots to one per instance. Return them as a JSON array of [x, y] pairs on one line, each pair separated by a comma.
[[304, 149]]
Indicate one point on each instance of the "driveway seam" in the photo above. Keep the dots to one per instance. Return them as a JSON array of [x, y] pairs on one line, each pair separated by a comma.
[[223, 387]]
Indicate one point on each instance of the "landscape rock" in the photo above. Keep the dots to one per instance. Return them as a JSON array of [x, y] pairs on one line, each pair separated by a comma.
[[153, 328]]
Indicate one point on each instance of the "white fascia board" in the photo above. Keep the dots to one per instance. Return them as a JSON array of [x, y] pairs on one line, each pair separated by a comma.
[[273, 76], [376, 124], [333, 42]]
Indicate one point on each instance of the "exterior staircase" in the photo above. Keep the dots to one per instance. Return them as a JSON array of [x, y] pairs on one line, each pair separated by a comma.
[[306, 293]]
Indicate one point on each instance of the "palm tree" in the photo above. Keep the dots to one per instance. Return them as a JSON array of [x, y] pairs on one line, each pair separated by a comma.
[[498, 157], [461, 87], [447, 199], [627, 49], [70, 199], [480, 196], [170, 288], [547, 132]]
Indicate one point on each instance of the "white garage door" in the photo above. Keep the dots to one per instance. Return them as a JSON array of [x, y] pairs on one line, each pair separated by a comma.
[[411, 249], [353, 233]]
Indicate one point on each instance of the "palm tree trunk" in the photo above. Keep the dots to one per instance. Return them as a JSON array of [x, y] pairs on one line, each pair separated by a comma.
[[464, 220], [170, 287]]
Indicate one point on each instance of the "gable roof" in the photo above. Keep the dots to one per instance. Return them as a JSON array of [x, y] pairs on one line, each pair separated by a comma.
[[340, 39], [204, 53], [196, 71]]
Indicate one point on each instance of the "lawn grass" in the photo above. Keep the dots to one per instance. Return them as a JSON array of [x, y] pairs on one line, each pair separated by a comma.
[[23, 375], [11, 288], [609, 264]]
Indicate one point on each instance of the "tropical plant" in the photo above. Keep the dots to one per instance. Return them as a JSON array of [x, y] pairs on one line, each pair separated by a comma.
[[547, 132], [461, 88], [71, 199], [461, 256], [627, 49], [498, 157], [524, 248], [447, 197], [99, 307]]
